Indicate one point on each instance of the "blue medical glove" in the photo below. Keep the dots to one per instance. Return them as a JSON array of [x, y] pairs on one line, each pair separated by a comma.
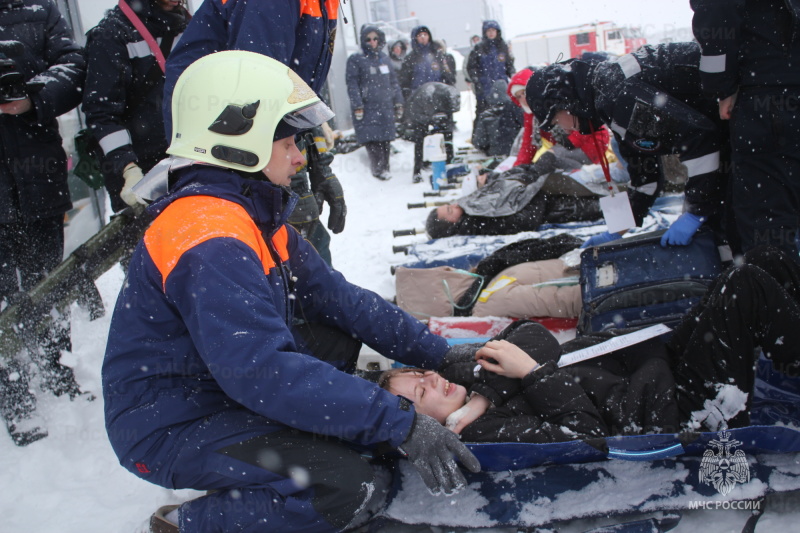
[[603, 238], [681, 231]]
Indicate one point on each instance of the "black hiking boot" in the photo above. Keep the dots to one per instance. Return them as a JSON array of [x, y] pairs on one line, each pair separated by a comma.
[[159, 522]]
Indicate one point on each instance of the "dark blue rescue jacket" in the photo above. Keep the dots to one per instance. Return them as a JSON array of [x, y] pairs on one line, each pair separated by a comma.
[[33, 165], [201, 341], [372, 86], [298, 33], [425, 64], [122, 99], [489, 60], [748, 45]]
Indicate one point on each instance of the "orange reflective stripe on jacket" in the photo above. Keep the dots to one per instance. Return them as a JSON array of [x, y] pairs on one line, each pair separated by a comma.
[[192, 220], [314, 8]]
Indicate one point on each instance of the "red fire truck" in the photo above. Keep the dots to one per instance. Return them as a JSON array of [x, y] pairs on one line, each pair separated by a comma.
[[544, 47]]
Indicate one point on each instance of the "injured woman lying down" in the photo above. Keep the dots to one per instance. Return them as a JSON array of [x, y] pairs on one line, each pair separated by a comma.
[[701, 379]]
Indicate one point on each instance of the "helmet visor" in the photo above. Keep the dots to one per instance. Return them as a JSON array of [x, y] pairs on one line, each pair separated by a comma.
[[309, 116]]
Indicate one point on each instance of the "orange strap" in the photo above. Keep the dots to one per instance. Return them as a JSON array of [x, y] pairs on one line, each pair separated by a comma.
[[192, 220], [314, 8]]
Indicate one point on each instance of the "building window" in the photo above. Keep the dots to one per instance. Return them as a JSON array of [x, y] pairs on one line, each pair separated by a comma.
[[614, 35], [380, 10], [582, 38]]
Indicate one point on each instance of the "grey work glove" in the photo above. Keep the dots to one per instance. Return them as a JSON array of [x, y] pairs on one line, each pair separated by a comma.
[[430, 448], [331, 191]]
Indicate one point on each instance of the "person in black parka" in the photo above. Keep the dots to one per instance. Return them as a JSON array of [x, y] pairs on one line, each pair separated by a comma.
[[490, 60], [499, 122], [751, 62], [375, 98], [652, 103], [701, 379], [34, 195], [124, 91], [430, 110], [426, 62]]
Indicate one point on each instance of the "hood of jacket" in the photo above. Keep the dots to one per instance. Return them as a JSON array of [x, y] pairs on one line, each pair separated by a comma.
[[519, 79], [402, 44], [267, 204], [367, 29], [491, 24], [432, 46], [563, 86]]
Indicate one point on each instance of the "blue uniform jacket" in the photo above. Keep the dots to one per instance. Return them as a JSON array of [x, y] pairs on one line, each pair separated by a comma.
[[298, 33], [200, 342]]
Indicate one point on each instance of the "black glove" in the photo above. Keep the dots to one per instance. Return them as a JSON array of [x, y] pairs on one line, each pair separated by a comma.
[[430, 448], [331, 191]]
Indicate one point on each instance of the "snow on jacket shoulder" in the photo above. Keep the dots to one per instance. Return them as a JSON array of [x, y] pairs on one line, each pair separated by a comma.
[[202, 327]]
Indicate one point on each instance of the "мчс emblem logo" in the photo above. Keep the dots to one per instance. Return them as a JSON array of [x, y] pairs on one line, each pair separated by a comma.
[[724, 466]]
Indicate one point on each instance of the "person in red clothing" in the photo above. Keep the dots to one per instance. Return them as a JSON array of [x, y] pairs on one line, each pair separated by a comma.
[[591, 145]]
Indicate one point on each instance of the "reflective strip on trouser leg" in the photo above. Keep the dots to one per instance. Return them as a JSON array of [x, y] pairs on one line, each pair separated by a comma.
[[702, 165]]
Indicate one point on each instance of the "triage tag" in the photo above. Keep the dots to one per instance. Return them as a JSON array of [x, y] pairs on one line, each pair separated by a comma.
[[617, 212]]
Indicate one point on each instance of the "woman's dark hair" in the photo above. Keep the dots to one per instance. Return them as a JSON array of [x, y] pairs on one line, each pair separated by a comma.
[[437, 228]]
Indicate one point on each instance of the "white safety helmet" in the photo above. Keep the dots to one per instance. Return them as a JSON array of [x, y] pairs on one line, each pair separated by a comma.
[[228, 108]]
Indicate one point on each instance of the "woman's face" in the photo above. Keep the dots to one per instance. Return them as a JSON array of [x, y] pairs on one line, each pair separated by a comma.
[[449, 213], [520, 97], [372, 39], [566, 120], [284, 161], [431, 393]]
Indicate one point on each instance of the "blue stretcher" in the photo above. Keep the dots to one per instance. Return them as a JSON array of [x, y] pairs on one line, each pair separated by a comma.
[[527, 486]]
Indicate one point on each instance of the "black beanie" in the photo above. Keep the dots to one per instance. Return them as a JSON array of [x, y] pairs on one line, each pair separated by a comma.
[[437, 228]]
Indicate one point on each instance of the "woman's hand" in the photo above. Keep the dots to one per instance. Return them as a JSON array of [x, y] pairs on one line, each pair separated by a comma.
[[505, 359], [472, 410]]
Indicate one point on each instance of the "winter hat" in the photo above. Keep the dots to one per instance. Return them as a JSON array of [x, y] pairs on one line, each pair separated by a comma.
[[437, 228], [520, 81], [491, 24], [554, 88]]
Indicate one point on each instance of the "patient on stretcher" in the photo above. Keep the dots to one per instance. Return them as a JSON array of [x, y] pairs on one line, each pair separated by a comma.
[[701, 379]]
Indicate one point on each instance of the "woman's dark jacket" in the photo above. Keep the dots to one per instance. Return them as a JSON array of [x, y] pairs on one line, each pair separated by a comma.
[[626, 393], [372, 86]]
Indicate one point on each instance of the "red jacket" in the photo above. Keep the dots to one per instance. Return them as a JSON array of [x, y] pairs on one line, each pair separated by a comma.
[[527, 149]]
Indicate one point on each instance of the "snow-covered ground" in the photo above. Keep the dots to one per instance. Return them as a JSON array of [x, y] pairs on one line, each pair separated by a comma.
[[71, 482]]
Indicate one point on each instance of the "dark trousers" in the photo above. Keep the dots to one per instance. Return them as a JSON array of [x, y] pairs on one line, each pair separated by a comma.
[[283, 479], [378, 152], [753, 305], [28, 251], [765, 137]]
